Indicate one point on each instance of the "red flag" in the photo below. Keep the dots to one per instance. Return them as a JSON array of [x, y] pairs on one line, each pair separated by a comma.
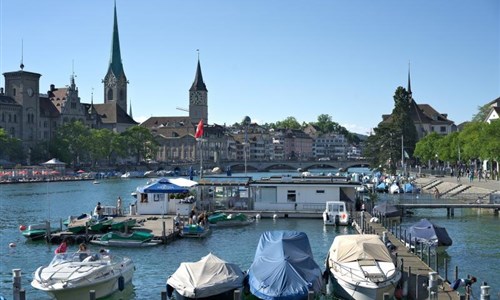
[[199, 130]]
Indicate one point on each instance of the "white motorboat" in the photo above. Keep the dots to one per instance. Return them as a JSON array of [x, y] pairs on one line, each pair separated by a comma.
[[335, 213], [74, 275], [361, 267]]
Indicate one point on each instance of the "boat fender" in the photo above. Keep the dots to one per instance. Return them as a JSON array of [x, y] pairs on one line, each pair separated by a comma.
[[275, 216], [121, 283], [257, 216], [170, 291], [22, 227], [12, 245]]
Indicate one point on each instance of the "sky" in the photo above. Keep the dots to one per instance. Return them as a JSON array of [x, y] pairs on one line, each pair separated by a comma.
[[265, 59]]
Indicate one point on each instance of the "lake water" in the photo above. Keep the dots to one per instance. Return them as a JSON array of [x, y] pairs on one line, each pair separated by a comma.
[[475, 237]]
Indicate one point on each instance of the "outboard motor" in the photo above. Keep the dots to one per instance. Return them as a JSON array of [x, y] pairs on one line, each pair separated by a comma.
[[337, 220]]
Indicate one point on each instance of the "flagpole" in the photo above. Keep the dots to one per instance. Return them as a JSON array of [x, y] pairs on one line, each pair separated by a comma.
[[201, 157], [402, 154]]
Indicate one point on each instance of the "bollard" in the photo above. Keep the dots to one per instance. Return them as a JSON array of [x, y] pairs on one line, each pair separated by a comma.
[[384, 237], [47, 231], [422, 251], [16, 283], [429, 256], [362, 222], [405, 237], [92, 295], [436, 260], [237, 294], [446, 270], [163, 233], [433, 283], [22, 294], [310, 295], [456, 272], [417, 286], [485, 292], [163, 295], [386, 296]]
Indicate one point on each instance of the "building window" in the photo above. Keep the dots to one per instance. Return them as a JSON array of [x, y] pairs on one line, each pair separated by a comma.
[[291, 196], [110, 94], [15, 118], [14, 92], [320, 191], [443, 128], [156, 197]]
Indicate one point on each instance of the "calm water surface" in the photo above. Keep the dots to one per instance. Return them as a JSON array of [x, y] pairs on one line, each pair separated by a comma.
[[475, 237]]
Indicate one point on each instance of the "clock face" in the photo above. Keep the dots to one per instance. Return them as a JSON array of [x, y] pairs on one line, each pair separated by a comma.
[[196, 98], [30, 92]]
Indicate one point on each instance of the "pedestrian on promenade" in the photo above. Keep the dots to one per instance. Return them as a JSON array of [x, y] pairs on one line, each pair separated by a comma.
[[463, 282], [436, 193]]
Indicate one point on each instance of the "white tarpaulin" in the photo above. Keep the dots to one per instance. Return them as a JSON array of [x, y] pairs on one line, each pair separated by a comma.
[[183, 182], [353, 247], [207, 277]]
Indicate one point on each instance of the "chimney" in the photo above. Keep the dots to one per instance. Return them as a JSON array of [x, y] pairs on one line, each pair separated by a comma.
[[1, 91], [52, 87]]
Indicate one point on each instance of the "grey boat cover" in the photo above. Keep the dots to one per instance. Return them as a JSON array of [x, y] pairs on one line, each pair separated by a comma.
[[429, 233], [386, 210], [353, 247], [207, 277]]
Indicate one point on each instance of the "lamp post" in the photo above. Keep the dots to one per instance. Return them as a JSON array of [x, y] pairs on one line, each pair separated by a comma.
[[246, 122]]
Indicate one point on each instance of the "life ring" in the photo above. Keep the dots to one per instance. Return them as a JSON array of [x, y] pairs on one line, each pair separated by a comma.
[[343, 216]]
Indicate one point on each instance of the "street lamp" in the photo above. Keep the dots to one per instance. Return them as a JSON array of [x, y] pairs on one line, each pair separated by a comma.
[[246, 122]]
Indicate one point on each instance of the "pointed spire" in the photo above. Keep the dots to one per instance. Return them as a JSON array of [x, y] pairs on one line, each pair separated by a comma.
[[198, 84], [91, 108], [409, 81], [22, 55], [130, 109], [115, 61]]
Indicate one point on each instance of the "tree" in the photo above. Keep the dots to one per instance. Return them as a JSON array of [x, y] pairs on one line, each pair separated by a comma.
[[140, 143], [382, 149], [473, 139], [406, 132], [482, 112], [11, 148], [72, 142], [428, 147], [288, 123]]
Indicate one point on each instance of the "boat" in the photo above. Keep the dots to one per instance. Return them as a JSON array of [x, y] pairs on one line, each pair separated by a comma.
[[207, 279], [133, 239], [429, 234], [35, 231], [120, 225], [194, 231], [80, 223], [101, 225], [335, 213], [74, 275], [96, 182], [360, 267], [221, 219], [284, 267]]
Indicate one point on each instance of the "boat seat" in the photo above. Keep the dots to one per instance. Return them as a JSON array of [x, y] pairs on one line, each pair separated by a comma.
[[371, 270]]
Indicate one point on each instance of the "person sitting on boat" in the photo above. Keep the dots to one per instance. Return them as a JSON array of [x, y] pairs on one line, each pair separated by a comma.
[[62, 247], [177, 220], [192, 217], [98, 210], [83, 251]]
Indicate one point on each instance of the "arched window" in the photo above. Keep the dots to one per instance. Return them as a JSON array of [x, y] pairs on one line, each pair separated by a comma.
[[121, 95], [110, 94]]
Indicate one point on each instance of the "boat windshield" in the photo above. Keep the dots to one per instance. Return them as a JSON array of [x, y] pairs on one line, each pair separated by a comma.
[[61, 258]]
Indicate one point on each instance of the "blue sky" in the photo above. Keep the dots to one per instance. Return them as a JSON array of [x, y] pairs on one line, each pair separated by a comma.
[[266, 59]]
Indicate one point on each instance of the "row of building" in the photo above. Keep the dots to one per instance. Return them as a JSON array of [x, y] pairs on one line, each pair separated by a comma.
[[34, 116]]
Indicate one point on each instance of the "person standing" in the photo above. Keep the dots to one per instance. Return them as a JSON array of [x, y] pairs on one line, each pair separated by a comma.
[[119, 206], [98, 210]]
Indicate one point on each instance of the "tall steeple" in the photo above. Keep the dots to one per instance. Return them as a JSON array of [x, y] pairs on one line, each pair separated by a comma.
[[198, 97], [409, 81], [115, 82]]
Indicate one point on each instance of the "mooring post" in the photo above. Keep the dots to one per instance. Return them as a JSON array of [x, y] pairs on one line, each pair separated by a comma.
[[47, 231], [446, 270], [163, 295], [384, 237], [485, 292], [433, 283], [22, 294], [60, 224], [362, 216], [237, 294], [421, 251], [310, 295], [417, 286], [164, 233], [387, 296], [456, 272], [437, 257], [428, 255], [92, 295], [16, 283]]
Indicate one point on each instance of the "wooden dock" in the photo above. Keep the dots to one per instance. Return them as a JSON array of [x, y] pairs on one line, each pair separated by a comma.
[[415, 271]]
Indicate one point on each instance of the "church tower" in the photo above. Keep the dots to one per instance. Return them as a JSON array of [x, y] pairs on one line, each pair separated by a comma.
[[198, 98], [115, 82]]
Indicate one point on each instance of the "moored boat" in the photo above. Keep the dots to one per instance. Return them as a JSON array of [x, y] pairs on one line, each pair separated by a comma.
[[335, 213], [208, 278], [133, 239], [222, 219], [429, 234], [284, 267], [194, 231], [121, 225], [74, 275], [35, 231], [361, 267]]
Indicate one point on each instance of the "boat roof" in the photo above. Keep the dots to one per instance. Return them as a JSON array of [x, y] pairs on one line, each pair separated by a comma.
[[353, 247]]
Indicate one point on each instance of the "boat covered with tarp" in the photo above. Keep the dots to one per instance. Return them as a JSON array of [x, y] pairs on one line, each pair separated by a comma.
[[429, 234], [284, 267], [386, 210], [209, 278], [221, 219]]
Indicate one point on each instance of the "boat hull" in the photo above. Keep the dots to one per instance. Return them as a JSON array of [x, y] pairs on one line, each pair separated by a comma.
[[228, 295], [352, 290], [102, 286]]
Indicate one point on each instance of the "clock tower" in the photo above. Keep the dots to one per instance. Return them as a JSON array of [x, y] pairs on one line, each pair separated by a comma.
[[115, 81], [198, 98]]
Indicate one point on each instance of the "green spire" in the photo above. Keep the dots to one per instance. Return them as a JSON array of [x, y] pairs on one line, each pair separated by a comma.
[[115, 62]]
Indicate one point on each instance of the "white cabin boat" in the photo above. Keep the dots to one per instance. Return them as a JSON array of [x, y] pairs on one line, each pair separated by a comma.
[[336, 213], [361, 267]]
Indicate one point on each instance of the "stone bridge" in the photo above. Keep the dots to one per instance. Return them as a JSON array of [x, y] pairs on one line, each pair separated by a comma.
[[263, 166]]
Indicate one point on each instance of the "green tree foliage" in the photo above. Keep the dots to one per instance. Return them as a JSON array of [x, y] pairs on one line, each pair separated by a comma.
[[448, 148], [326, 125], [482, 112], [382, 148], [140, 143], [491, 147], [288, 123], [72, 143], [401, 117], [428, 147], [11, 148], [472, 137]]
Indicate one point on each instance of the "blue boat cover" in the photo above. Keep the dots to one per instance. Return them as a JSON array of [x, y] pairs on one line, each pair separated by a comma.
[[283, 267], [429, 233]]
